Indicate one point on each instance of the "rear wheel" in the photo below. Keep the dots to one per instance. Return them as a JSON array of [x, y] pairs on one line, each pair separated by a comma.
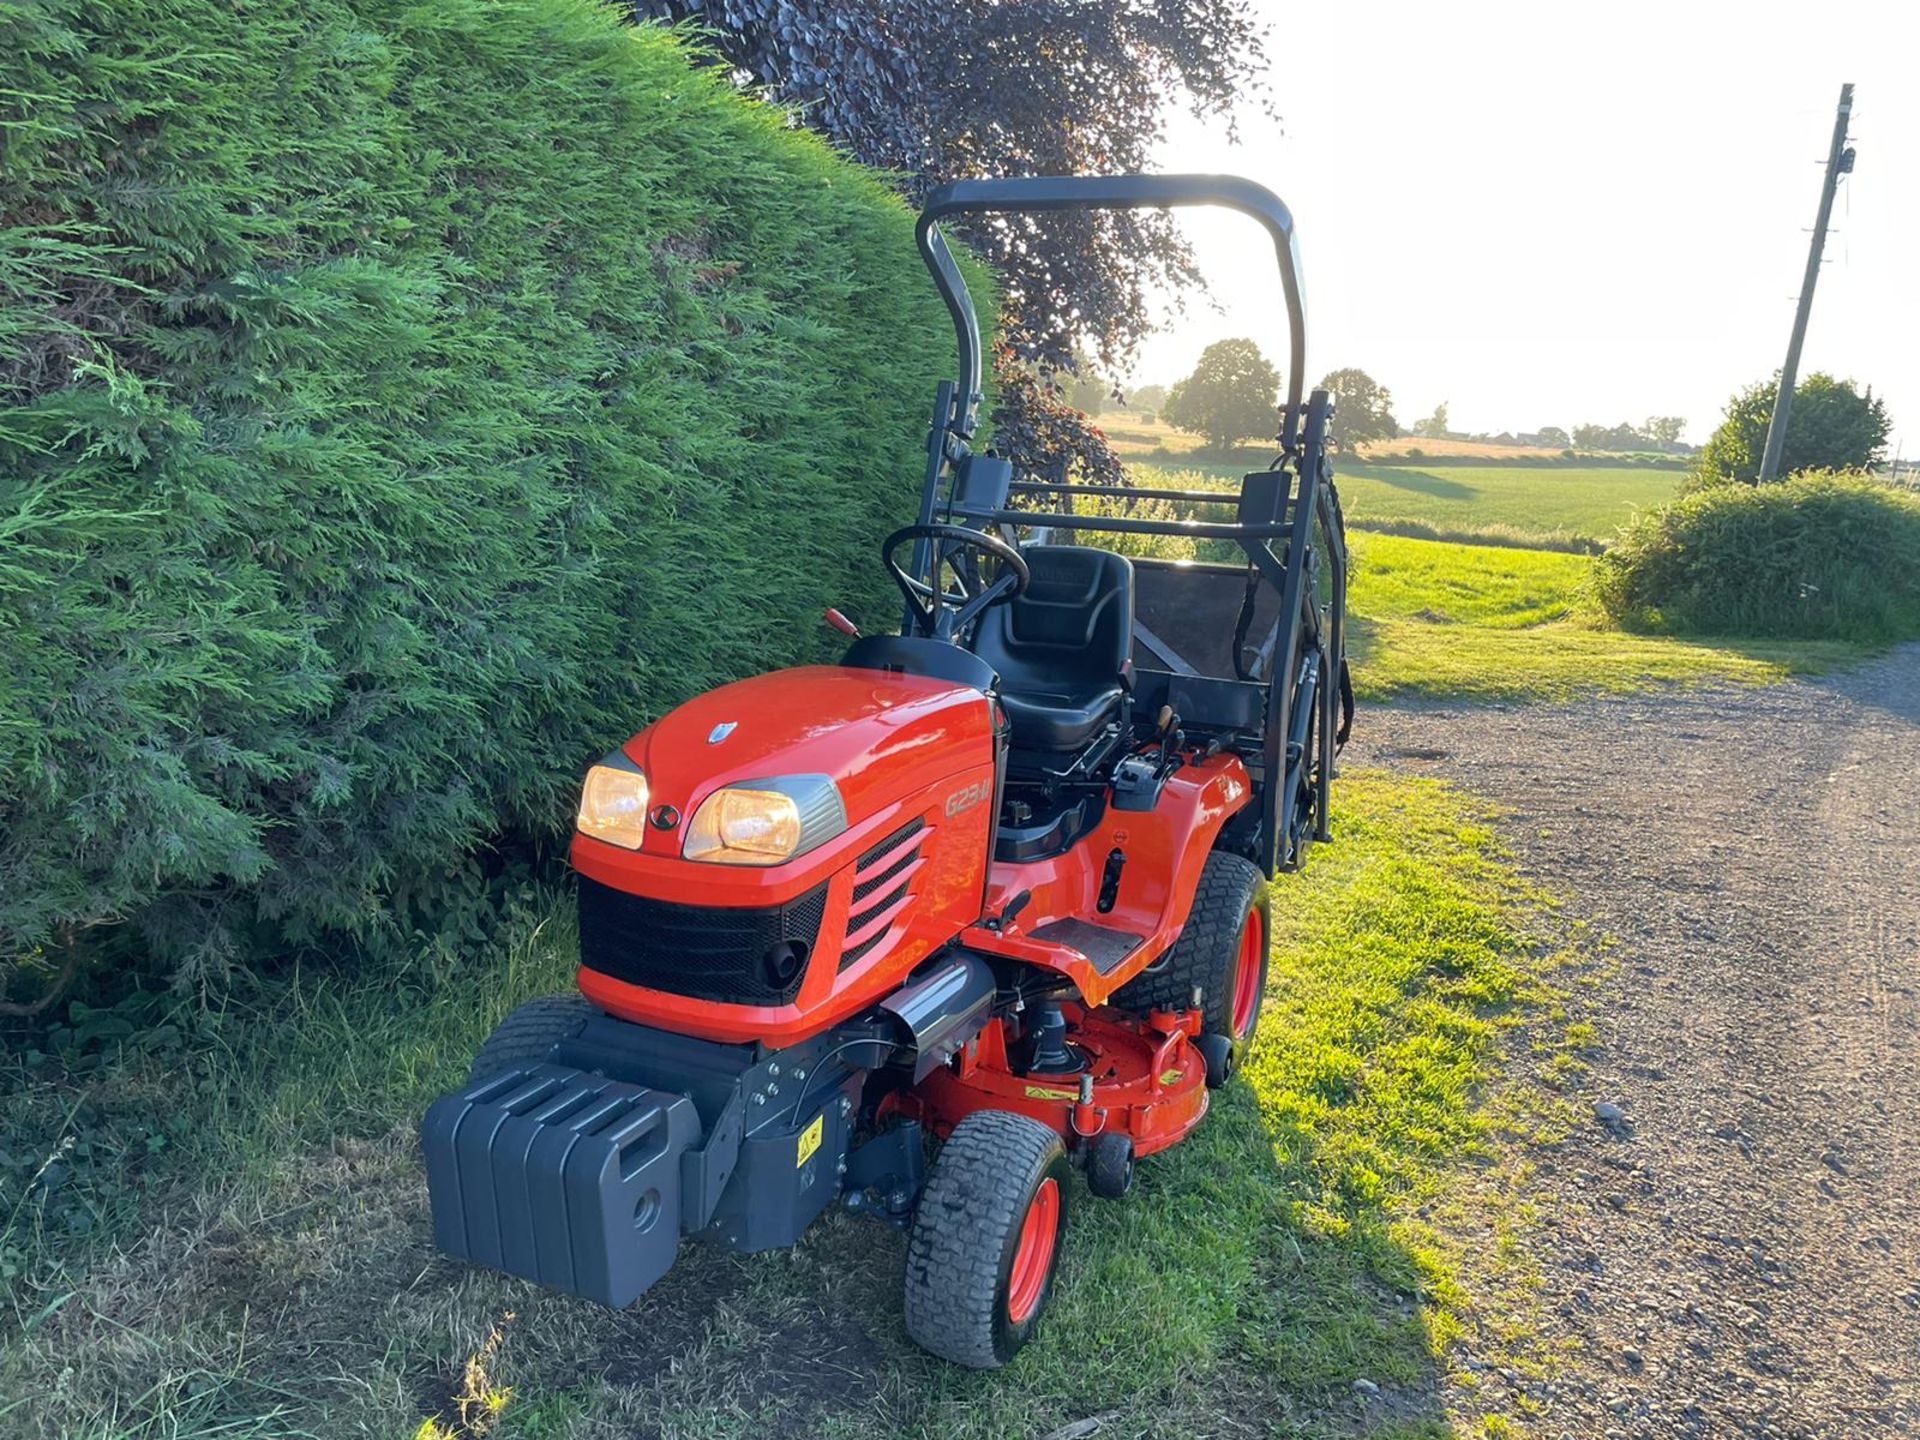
[[1222, 951], [529, 1032], [986, 1239]]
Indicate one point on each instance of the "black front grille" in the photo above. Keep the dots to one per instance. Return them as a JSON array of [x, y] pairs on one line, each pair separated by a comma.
[[853, 954], [737, 956], [866, 887]]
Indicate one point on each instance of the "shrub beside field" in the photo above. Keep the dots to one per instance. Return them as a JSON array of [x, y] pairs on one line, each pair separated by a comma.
[[369, 465], [1824, 555]]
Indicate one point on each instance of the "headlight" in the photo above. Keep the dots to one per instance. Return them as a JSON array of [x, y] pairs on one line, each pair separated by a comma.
[[613, 802], [766, 821]]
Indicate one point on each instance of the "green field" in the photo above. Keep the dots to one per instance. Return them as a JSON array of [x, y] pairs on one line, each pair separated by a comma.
[[1436, 620], [1561, 507], [1546, 505]]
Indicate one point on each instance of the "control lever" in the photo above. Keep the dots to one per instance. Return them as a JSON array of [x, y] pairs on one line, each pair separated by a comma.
[[1138, 779], [1217, 744], [1013, 908], [1172, 737]]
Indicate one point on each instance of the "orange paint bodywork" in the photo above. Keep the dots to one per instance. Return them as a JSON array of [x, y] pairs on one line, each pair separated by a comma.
[[899, 747], [903, 749], [1149, 1082], [1166, 849]]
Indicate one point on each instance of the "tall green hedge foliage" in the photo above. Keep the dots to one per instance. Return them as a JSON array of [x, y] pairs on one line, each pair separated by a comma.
[[1822, 555], [399, 404]]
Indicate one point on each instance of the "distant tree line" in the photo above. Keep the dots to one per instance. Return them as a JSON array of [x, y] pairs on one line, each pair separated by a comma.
[[1656, 432], [1233, 397]]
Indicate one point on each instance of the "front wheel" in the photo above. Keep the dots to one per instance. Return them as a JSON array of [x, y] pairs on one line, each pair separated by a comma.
[[529, 1032], [986, 1239]]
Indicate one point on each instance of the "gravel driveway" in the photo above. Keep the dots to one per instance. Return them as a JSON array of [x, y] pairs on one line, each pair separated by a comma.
[[1738, 1245]]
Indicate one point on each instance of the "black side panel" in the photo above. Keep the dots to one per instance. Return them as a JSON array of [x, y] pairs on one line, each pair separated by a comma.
[[1053, 833], [1206, 703], [752, 1104], [1197, 611], [982, 480], [789, 1171], [892, 1165]]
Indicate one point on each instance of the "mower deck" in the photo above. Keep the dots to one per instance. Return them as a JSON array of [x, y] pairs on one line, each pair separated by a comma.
[[1141, 1078]]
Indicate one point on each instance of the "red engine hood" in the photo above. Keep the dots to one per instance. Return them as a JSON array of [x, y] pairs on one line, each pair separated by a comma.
[[880, 735]]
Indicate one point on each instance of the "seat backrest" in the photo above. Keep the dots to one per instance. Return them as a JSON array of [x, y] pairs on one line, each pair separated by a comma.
[[1073, 626]]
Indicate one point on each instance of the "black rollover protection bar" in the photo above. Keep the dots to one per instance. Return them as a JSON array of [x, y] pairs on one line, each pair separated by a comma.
[[1108, 192], [1300, 719]]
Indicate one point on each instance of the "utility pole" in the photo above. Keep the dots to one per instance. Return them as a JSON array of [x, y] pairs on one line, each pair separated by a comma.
[[1839, 162]]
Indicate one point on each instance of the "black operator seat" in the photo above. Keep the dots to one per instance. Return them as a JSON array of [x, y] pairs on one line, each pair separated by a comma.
[[1061, 649]]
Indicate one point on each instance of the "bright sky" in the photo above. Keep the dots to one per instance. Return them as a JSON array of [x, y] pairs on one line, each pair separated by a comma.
[[1558, 213]]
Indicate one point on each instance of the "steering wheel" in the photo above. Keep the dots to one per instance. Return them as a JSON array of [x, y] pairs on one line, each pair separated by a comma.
[[927, 605]]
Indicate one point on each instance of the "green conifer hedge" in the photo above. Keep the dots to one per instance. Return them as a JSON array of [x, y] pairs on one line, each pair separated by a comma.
[[400, 402]]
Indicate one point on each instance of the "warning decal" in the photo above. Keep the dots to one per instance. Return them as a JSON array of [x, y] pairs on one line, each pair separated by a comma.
[[810, 1140]]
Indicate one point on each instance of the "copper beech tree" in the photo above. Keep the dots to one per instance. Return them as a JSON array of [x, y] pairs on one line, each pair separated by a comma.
[[935, 92]]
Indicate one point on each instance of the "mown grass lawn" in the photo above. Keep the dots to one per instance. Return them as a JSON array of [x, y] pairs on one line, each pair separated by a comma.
[[1332, 1222], [1432, 620]]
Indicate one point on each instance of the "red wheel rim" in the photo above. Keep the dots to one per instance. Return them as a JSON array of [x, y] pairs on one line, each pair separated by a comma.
[[1246, 981], [1033, 1258]]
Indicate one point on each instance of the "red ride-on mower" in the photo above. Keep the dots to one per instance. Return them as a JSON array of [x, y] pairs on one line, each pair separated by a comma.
[[997, 881]]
